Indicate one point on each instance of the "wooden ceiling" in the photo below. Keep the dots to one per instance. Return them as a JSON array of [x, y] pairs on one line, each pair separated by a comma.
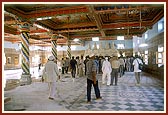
[[82, 21]]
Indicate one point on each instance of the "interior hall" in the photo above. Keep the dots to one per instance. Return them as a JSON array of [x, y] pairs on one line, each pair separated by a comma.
[[32, 32]]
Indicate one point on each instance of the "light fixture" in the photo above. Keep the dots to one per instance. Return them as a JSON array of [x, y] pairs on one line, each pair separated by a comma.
[[76, 40], [143, 45], [120, 37], [95, 38], [44, 18]]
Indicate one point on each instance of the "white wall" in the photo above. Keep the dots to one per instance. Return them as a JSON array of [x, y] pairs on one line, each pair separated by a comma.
[[151, 34]]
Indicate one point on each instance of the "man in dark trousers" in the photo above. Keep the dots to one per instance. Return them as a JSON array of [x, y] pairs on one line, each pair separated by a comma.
[[73, 64], [92, 79], [85, 61]]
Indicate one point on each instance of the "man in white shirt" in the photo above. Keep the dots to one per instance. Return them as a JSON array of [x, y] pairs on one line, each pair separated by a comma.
[[137, 71]]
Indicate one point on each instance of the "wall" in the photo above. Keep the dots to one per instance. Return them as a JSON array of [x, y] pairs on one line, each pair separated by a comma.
[[35, 57], [128, 43], [155, 39]]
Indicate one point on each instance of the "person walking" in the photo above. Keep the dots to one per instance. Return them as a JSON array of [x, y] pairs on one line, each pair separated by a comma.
[[106, 69], [67, 64], [122, 66], [39, 65], [115, 67], [92, 79], [97, 64], [77, 65], [137, 71], [128, 64], [73, 64], [131, 63], [52, 76], [81, 65], [62, 65], [85, 61]]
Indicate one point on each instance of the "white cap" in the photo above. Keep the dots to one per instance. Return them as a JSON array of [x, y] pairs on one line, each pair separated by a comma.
[[91, 55], [51, 58]]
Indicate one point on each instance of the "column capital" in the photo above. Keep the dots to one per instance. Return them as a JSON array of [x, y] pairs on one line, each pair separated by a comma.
[[24, 26], [51, 32], [54, 36], [23, 23]]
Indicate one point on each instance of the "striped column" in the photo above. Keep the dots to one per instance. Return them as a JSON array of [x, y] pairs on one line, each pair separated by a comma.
[[25, 65], [69, 49], [54, 45], [25, 49]]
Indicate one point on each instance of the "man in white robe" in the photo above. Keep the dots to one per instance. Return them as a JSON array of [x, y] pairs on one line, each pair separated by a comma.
[[106, 69]]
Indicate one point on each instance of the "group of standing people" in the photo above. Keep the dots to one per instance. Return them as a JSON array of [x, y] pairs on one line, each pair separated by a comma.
[[75, 65], [110, 68], [113, 66], [65, 65]]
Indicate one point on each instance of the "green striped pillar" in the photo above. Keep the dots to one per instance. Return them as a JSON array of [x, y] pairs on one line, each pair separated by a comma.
[[25, 65], [54, 45], [69, 49]]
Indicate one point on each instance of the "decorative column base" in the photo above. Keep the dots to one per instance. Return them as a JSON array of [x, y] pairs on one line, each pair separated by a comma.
[[25, 80]]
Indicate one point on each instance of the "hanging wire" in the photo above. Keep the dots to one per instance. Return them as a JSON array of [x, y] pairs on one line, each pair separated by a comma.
[[140, 18], [68, 26], [128, 26]]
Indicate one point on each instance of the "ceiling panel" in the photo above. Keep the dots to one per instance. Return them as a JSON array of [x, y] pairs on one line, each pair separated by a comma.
[[82, 21]]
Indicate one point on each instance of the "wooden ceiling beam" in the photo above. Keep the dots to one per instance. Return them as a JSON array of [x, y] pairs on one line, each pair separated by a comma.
[[11, 30], [98, 22], [86, 36], [158, 17], [76, 30], [127, 24], [38, 31], [12, 40], [109, 10], [76, 25], [124, 32], [45, 13]]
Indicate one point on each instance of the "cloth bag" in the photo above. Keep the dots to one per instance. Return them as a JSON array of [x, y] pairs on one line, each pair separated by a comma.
[[140, 67]]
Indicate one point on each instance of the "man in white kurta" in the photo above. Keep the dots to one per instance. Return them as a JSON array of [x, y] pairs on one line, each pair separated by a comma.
[[106, 69], [136, 68], [53, 75]]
